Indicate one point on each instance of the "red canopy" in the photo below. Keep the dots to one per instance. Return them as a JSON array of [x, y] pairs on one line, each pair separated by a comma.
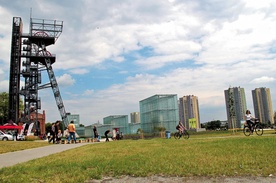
[[10, 127]]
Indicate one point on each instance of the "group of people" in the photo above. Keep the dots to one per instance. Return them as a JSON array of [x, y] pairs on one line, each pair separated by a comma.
[[70, 132], [118, 135], [55, 134]]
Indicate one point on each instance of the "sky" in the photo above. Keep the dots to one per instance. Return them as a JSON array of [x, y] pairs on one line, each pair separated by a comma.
[[113, 54]]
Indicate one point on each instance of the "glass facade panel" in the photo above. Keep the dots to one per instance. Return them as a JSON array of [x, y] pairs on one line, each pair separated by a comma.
[[118, 121], [159, 111]]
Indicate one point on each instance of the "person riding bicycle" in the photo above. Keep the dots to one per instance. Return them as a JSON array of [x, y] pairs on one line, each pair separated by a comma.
[[248, 118], [180, 127]]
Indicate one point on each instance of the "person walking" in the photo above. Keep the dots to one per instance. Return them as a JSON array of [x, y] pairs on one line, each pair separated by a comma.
[[95, 133], [72, 132], [48, 136], [53, 134], [57, 128], [106, 135]]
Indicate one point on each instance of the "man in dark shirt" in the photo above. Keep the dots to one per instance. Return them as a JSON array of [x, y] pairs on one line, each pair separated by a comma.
[[106, 135], [53, 134], [95, 132]]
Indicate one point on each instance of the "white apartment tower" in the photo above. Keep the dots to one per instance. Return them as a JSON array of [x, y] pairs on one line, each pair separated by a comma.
[[235, 106], [189, 111], [135, 117], [263, 105]]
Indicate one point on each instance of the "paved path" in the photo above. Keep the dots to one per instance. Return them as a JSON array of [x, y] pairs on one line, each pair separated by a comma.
[[13, 158]]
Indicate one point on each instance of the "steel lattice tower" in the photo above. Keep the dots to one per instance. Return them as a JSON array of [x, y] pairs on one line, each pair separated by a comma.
[[15, 69], [29, 51]]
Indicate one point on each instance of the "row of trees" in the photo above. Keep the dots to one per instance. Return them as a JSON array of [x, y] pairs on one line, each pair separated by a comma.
[[214, 125], [4, 107]]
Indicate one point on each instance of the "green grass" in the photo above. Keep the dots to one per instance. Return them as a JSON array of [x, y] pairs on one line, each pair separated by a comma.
[[10, 146], [239, 156]]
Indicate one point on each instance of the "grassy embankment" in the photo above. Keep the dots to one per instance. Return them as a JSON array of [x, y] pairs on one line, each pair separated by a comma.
[[201, 155]]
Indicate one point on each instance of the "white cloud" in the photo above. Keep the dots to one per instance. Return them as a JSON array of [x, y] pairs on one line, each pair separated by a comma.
[[5, 38], [4, 86], [160, 61], [65, 80], [79, 71], [88, 92], [263, 79]]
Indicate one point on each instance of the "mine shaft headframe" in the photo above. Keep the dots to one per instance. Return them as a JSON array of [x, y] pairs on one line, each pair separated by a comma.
[[46, 28]]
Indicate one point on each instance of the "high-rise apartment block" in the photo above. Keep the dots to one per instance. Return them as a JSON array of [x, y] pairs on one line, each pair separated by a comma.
[[159, 111], [135, 117], [235, 106], [263, 105], [189, 111]]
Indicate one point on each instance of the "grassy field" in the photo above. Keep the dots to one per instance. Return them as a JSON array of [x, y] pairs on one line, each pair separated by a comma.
[[10, 146], [206, 154]]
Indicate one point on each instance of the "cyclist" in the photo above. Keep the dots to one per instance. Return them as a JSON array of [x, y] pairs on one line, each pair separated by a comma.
[[248, 118], [180, 127]]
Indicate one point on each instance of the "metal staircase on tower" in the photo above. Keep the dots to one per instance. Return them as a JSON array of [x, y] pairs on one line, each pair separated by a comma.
[[31, 50]]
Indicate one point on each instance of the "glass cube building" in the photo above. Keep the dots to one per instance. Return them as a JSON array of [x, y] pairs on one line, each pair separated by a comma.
[[118, 121], [159, 111]]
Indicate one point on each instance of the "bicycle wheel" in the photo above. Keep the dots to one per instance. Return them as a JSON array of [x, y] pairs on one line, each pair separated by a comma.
[[246, 131], [259, 130], [186, 134], [177, 135]]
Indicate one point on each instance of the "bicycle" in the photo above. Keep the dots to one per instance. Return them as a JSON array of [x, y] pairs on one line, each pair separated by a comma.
[[256, 126], [184, 134]]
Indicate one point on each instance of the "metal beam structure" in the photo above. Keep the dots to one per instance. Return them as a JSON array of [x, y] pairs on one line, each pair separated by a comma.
[[15, 66], [30, 51]]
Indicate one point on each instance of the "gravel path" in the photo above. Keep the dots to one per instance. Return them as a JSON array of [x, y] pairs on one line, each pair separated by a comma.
[[13, 158], [160, 179]]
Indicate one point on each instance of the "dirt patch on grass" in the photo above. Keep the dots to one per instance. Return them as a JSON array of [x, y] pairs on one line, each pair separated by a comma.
[[160, 179]]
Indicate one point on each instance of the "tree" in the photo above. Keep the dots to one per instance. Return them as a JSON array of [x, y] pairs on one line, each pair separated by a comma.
[[274, 117], [48, 127], [213, 125], [4, 107], [140, 131]]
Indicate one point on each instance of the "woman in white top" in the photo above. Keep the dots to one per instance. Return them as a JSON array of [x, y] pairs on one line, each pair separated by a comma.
[[248, 118]]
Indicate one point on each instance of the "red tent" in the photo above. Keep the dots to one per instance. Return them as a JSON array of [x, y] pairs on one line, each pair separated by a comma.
[[10, 127]]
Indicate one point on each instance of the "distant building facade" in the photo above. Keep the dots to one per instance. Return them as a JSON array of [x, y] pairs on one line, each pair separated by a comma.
[[117, 122], [41, 118], [135, 117], [80, 130], [189, 111], [159, 111], [263, 105], [73, 117], [235, 106], [133, 127]]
